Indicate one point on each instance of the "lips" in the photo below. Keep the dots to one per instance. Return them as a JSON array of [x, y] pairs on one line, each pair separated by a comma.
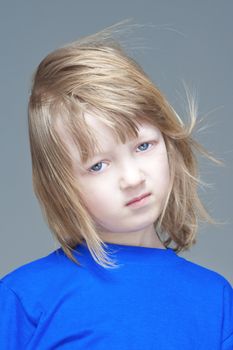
[[136, 199]]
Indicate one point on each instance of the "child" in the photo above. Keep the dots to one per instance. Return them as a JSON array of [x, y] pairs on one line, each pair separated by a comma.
[[116, 175]]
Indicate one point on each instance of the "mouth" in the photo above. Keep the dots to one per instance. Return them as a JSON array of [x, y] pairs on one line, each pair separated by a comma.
[[138, 199]]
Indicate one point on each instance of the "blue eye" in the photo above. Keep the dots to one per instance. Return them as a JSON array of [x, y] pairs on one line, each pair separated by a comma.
[[96, 167], [145, 146]]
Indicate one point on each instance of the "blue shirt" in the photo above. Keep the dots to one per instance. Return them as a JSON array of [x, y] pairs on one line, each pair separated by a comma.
[[153, 300]]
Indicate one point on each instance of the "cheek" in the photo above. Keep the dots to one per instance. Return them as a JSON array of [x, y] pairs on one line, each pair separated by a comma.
[[159, 163], [95, 194], [166, 174], [160, 173]]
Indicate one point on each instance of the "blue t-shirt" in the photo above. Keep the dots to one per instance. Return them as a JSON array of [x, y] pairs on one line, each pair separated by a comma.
[[153, 300]]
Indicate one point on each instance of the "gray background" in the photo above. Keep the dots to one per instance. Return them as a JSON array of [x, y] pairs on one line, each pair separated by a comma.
[[190, 41]]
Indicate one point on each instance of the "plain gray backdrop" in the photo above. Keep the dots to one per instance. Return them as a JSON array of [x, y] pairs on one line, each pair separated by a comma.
[[183, 40]]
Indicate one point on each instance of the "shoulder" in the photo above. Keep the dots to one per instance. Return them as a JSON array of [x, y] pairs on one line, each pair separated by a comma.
[[200, 276], [32, 290], [205, 287], [35, 278]]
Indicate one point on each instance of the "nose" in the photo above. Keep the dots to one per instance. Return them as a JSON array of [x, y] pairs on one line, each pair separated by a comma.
[[131, 175]]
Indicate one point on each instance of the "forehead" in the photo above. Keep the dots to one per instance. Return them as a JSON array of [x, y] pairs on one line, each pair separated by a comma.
[[104, 134], [101, 135]]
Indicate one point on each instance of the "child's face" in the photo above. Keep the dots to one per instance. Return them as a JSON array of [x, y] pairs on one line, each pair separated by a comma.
[[124, 171]]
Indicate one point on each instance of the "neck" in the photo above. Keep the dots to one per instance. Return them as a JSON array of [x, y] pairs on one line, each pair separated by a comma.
[[143, 238]]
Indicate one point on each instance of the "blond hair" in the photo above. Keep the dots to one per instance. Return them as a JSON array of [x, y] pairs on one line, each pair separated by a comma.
[[95, 74]]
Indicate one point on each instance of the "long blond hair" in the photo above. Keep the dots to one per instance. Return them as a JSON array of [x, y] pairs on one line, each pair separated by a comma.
[[95, 74]]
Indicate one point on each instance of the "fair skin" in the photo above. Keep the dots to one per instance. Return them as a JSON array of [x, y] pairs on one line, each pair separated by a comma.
[[120, 173]]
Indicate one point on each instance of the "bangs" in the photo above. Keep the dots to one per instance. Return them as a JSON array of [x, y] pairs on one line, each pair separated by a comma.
[[123, 128]]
